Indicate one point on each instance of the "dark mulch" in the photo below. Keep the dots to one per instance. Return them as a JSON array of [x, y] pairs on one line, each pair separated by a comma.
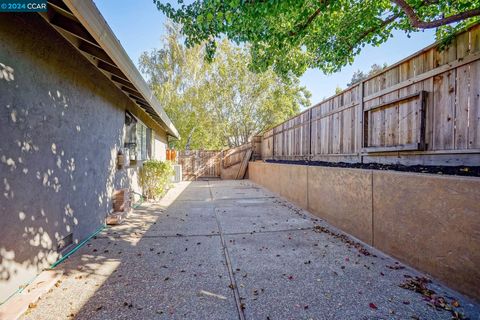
[[473, 171]]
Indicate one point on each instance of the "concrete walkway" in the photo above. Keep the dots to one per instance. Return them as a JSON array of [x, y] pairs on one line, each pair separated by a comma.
[[232, 250]]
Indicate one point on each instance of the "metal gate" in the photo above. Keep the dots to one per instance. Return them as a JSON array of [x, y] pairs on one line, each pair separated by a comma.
[[198, 164]]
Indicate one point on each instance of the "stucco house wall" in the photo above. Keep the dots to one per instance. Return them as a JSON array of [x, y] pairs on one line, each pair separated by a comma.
[[61, 126], [160, 143]]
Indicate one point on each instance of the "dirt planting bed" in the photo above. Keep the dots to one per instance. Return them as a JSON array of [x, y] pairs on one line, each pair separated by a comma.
[[473, 171]]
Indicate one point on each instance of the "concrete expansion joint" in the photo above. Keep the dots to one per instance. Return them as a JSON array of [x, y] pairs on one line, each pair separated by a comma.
[[160, 236], [228, 263], [267, 231], [225, 199]]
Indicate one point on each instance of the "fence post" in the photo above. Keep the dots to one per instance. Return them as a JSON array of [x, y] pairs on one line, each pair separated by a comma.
[[361, 127], [310, 136], [222, 155], [273, 144]]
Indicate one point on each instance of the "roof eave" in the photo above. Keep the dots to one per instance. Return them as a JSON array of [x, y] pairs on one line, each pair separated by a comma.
[[88, 15]]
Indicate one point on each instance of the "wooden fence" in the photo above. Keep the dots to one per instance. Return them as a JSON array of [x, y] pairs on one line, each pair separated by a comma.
[[236, 155], [200, 164], [209, 164], [424, 109]]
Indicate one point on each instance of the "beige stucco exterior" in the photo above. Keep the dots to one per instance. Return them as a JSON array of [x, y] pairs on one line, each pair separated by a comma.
[[431, 222], [343, 198], [286, 180]]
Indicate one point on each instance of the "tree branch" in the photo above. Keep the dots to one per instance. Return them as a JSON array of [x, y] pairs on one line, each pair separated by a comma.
[[367, 32], [417, 23], [303, 26]]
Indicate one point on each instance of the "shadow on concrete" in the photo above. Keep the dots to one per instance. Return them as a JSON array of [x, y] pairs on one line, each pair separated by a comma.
[[166, 261]]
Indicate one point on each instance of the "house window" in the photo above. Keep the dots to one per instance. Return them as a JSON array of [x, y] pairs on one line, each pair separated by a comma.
[[130, 136], [141, 141], [137, 138]]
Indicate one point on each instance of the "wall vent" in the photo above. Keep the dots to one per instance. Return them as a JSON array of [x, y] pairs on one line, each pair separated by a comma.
[[65, 242]]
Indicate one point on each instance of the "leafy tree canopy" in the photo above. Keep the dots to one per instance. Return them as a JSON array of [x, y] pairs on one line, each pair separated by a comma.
[[221, 103], [293, 35]]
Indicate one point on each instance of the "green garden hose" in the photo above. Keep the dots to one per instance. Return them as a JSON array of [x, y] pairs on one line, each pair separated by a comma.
[[77, 247], [139, 203], [81, 244]]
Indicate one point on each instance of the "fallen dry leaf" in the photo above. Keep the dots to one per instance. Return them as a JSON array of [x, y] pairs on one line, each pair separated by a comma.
[[420, 285]]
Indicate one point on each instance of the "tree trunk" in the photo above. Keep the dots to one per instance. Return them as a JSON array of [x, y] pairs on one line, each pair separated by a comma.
[[189, 139]]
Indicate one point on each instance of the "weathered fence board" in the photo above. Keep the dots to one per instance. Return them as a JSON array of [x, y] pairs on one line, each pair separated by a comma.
[[234, 156], [197, 164], [474, 106], [423, 109], [200, 164]]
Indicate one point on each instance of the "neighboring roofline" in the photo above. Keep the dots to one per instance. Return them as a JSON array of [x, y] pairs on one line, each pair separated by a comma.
[[102, 35]]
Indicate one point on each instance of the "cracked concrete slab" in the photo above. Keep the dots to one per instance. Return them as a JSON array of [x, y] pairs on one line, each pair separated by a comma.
[[276, 261], [195, 221], [195, 193], [235, 219], [239, 192], [231, 183]]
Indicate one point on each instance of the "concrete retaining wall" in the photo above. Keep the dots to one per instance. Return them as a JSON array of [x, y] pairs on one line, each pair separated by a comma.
[[343, 196], [61, 125], [286, 180], [430, 222]]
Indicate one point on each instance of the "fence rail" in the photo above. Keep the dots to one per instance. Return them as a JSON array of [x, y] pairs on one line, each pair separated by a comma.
[[234, 156], [210, 163], [424, 109], [200, 164]]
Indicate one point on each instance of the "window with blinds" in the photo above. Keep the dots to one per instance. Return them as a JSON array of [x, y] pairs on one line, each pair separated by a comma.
[[138, 138], [141, 141]]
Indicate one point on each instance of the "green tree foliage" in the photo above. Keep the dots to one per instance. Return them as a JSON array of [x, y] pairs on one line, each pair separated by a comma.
[[220, 103], [155, 178], [360, 75], [293, 35]]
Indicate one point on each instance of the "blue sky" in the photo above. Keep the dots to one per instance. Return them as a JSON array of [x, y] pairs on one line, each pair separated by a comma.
[[139, 27]]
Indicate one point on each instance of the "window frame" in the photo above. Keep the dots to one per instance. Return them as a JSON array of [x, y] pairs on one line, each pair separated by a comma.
[[136, 139]]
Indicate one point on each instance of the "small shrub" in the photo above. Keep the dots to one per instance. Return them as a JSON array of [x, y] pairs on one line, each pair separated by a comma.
[[155, 178]]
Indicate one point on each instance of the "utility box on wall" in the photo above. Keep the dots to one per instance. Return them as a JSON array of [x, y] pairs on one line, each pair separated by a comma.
[[178, 173]]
